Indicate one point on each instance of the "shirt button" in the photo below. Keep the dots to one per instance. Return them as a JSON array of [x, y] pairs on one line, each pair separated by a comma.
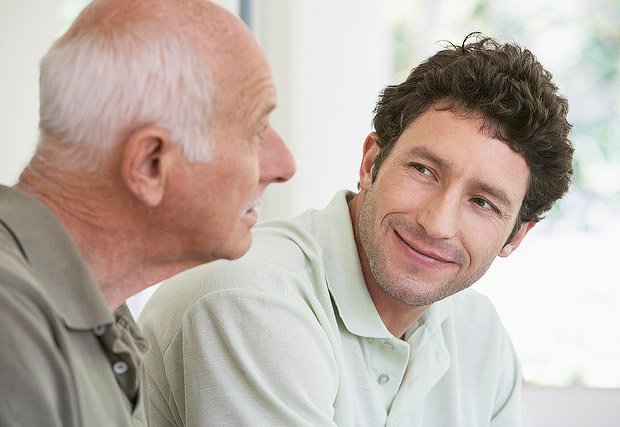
[[382, 379], [119, 367], [99, 330], [388, 346]]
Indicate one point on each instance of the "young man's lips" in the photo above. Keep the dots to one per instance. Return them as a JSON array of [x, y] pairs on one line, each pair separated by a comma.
[[425, 251]]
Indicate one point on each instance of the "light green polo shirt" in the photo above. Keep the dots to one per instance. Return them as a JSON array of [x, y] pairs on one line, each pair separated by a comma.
[[65, 358], [288, 336]]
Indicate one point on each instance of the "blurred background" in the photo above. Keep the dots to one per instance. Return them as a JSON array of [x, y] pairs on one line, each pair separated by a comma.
[[558, 294]]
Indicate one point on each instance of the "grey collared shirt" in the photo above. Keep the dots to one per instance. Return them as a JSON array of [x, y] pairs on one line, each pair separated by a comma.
[[65, 358]]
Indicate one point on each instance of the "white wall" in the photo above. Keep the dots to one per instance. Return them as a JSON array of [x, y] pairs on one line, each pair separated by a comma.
[[27, 28], [329, 63]]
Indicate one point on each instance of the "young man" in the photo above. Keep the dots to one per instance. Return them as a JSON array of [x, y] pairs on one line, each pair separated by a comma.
[[358, 314], [155, 148]]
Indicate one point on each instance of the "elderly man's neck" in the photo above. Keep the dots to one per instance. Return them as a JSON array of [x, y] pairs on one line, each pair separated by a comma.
[[111, 237]]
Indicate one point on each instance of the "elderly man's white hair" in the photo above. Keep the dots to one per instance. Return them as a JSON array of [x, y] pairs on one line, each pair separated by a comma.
[[123, 66]]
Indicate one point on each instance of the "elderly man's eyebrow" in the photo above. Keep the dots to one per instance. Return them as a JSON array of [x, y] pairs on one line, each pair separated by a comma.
[[269, 108], [266, 111]]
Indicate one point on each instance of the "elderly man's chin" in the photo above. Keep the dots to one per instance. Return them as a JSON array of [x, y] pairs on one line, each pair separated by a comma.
[[232, 241], [240, 240]]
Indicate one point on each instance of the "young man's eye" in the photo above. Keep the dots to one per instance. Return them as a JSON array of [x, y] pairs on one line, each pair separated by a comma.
[[485, 204], [421, 168]]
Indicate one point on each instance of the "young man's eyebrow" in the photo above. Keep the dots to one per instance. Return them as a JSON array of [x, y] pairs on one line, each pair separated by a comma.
[[497, 193], [427, 154]]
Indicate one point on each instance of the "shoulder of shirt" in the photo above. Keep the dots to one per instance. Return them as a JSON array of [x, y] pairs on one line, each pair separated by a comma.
[[474, 312], [21, 290], [279, 248], [469, 301], [288, 243], [15, 273], [282, 251]]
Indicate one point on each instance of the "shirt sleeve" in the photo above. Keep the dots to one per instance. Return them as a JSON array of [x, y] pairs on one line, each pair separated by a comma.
[[510, 411], [246, 357], [35, 385]]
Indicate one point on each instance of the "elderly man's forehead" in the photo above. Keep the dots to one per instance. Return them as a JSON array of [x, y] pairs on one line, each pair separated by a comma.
[[203, 16]]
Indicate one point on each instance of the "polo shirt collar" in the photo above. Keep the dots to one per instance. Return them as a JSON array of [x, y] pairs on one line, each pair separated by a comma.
[[55, 260], [345, 279]]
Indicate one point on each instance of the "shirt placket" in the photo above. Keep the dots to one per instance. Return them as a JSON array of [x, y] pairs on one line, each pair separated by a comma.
[[389, 362]]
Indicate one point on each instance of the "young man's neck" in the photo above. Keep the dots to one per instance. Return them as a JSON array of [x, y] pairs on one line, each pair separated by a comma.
[[397, 316]]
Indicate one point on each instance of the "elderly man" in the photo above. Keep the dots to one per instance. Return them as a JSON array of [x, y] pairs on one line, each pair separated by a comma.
[[358, 314], [155, 149]]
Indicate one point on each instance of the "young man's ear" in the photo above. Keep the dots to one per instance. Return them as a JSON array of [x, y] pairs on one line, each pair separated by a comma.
[[145, 164], [371, 150], [517, 239]]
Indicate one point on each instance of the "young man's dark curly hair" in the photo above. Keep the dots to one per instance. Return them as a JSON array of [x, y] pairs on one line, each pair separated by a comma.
[[505, 86]]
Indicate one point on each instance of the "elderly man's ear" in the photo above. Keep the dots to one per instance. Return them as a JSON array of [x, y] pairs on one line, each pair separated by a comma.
[[148, 156]]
